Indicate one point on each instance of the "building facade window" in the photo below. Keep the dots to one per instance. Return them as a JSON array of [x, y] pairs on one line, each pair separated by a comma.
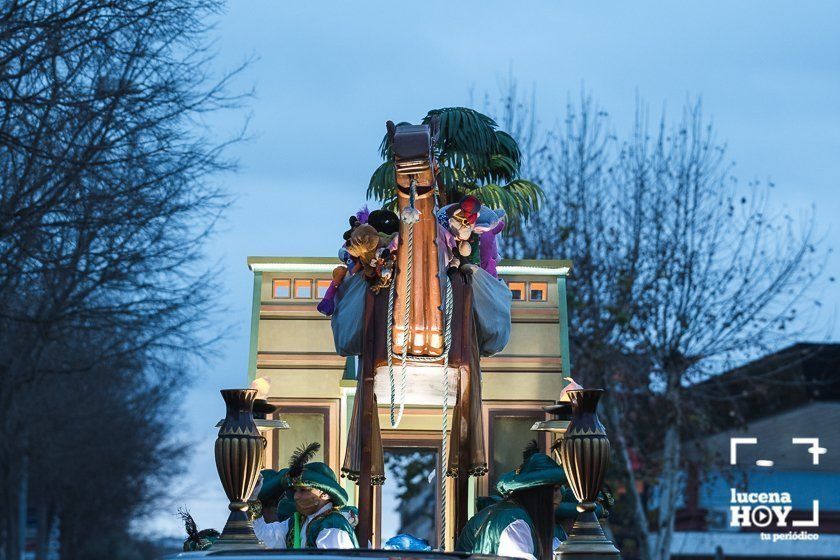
[[306, 427], [303, 288], [508, 432], [309, 421], [538, 291], [281, 288], [517, 290], [414, 506], [321, 287]]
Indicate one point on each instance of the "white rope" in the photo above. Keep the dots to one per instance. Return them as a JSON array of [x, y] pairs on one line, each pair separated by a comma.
[[389, 341], [444, 447]]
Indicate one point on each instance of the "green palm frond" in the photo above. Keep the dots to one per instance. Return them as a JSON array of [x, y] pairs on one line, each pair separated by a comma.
[[518, 198], [495, 196], [501, 168], [448, 179], [465, 130], [508, 146], [529, 193], [383, 182]]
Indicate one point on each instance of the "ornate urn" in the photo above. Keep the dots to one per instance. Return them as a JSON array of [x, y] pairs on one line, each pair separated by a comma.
[[239, 452], [585, 454]]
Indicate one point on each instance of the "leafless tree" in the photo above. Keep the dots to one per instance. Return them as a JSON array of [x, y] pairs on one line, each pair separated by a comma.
[[107, 194], [679, 273]]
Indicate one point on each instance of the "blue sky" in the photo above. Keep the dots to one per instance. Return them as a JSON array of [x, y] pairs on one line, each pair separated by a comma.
[[328, 75]]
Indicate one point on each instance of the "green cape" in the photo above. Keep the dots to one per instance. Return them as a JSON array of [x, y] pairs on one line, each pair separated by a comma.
[[482, 533]]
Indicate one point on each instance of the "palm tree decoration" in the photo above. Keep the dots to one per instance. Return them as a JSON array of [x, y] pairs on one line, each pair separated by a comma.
[[474, 157]]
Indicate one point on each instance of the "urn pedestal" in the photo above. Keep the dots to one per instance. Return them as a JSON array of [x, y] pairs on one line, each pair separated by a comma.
[[239, 453], [585, 454]]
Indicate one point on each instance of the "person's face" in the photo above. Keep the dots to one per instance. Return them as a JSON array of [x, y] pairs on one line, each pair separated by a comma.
[[309, 500], [558, 495]]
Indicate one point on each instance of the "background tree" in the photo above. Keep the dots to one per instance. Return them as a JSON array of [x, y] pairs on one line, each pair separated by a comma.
[[679, 272], [410, 471], [106, 197], [474, 157]]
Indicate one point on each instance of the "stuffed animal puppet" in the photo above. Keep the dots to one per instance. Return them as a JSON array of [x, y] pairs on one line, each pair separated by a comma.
[[460, 219], [363, 245]]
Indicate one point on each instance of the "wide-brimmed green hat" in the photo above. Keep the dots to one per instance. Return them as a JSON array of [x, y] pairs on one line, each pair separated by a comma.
[[537, 469], [274, 485], [303, 474], [319, 476]]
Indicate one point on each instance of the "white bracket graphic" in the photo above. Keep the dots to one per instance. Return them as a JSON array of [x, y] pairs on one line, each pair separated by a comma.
[[733, 447], [815, 450], [815, 517]]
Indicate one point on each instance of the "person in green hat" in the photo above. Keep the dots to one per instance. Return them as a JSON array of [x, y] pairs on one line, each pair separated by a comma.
[[521, 525], [196, 540], [274, 503], [318, 521], [565, 513]]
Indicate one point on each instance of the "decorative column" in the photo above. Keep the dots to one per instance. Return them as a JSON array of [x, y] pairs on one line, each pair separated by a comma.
[[585, 454], [239, 453]]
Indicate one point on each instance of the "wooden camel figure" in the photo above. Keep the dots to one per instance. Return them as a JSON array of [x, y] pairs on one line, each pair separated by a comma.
[[410, 330]]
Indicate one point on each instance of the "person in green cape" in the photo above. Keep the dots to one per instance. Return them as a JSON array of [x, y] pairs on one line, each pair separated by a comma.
[[466, 540], [565, 513], [318, 521], [522, 524]]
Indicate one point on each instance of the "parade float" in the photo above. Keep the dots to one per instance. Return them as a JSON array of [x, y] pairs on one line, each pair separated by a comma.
[[418, 304]]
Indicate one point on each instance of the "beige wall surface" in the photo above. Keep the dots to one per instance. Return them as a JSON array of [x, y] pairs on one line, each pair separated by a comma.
[[303, 383], [521, 385], [295, 335], [533, 339]]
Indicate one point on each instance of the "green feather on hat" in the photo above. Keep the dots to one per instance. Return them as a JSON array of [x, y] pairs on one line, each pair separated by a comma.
[[537, 469], [196, 540], [317, 475]]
